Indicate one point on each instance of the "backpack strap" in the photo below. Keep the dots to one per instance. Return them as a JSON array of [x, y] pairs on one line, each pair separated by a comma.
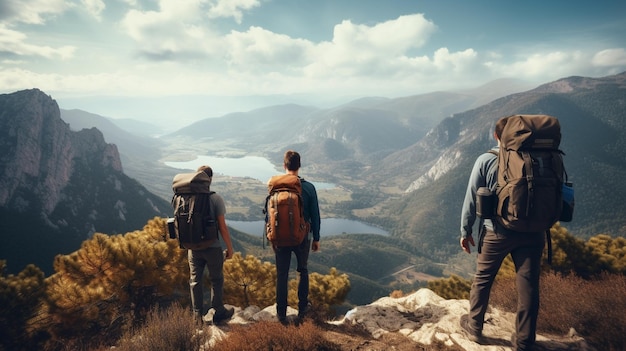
[[530, 180]]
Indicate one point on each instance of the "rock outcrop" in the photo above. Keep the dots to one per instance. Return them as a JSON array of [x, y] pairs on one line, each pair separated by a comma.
[[426, 318]]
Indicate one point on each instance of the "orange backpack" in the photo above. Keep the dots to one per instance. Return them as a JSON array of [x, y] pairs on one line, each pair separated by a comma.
[[284, 212]]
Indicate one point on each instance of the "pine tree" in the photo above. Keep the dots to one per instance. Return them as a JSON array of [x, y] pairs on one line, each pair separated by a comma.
[[249, 282], [325, 291], [114, 279], [453, 287], [20, 297]]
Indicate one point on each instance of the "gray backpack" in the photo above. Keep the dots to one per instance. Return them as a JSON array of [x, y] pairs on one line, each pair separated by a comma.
[[530, 173], [195, 225]]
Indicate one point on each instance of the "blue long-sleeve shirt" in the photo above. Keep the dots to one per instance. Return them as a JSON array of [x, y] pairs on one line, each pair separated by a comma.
[[311, 208], [484, 174]]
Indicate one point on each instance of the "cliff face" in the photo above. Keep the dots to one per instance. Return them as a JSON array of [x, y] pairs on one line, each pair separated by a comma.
[[40, 148], [57, 187]]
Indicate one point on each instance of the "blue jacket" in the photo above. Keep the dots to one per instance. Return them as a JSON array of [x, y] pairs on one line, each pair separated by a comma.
[[484, 173], [311, 207]]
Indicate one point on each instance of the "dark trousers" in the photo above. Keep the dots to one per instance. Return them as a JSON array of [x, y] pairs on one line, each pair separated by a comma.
[[526, 250], [283, 262], [213, 259]]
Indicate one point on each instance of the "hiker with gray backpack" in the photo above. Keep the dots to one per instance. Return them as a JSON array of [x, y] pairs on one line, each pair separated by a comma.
[[198, 224], [517, 191]]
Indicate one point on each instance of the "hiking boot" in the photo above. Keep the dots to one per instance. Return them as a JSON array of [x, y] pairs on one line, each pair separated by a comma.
[[198, 318], [223, 315], [283, 321], [472, 335], [300, 318]]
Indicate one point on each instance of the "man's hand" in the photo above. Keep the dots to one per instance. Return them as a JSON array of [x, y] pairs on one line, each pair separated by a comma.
[[316, 246], [465, 243]]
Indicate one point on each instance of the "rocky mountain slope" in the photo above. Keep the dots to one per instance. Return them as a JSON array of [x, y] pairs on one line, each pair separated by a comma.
[[57, 186], [435, 170]]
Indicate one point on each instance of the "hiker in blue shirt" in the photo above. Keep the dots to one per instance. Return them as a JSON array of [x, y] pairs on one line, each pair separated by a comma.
[[283, 254], [494, 244]]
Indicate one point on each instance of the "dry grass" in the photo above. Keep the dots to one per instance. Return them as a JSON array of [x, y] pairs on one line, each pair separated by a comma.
[[594, 308], [173, 328], [274, 336]]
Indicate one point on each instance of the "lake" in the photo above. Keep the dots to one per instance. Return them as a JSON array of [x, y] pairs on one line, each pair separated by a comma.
[[254, 167], [329, 227]]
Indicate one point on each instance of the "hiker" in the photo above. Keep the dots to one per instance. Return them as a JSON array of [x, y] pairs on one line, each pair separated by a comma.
[[213, 258], [494, 243], [283, 253]]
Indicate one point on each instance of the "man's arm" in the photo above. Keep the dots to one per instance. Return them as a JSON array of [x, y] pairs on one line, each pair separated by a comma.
[[477, 179], [221, 221], [313, 209]]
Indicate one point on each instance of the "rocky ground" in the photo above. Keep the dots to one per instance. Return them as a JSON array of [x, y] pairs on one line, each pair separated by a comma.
[[420, 321]]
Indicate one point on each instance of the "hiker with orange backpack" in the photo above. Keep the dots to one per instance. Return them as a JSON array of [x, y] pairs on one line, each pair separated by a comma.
[[292, 225]]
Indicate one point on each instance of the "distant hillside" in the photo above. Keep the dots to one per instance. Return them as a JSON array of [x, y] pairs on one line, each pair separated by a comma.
[[132, 145], [57, 186]]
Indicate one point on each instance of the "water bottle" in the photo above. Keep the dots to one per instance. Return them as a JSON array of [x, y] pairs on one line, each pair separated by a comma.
[[485, 202]]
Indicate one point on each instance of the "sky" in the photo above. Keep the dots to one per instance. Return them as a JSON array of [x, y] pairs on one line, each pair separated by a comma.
[[118, 57]]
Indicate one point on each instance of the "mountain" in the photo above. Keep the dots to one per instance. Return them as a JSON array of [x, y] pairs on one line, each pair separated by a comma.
[[57, 186], [435, 170], [132, 145], [361, 131]]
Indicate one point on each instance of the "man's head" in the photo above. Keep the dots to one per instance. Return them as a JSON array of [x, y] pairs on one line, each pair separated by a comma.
[[292, 160], [500, 127]]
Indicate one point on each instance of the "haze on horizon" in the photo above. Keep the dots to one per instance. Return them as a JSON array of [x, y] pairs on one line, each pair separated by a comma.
[[156, 59]]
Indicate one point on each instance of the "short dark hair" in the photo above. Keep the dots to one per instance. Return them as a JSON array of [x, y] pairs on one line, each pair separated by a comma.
[[500, 126], [206, 169], [292, 160]]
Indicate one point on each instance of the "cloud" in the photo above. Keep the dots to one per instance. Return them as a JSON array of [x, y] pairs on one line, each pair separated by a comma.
[[176, 31], [13, 43], [180, 29], [231, 8], [610, 58], [94, 8], [195, 47], [541, 66], [30, 11], [260, 50]]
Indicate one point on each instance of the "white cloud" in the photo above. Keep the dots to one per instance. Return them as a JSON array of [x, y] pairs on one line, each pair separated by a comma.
[[14, 42], [94, 8], [391, 37], [259, 50], [370, 51], [30, 11], [610, 58], [180, 50], [231, 8], [176, 31], [540, 66]]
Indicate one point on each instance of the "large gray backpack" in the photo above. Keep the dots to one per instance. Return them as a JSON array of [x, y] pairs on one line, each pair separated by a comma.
[[195, 224], [530, 173]]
